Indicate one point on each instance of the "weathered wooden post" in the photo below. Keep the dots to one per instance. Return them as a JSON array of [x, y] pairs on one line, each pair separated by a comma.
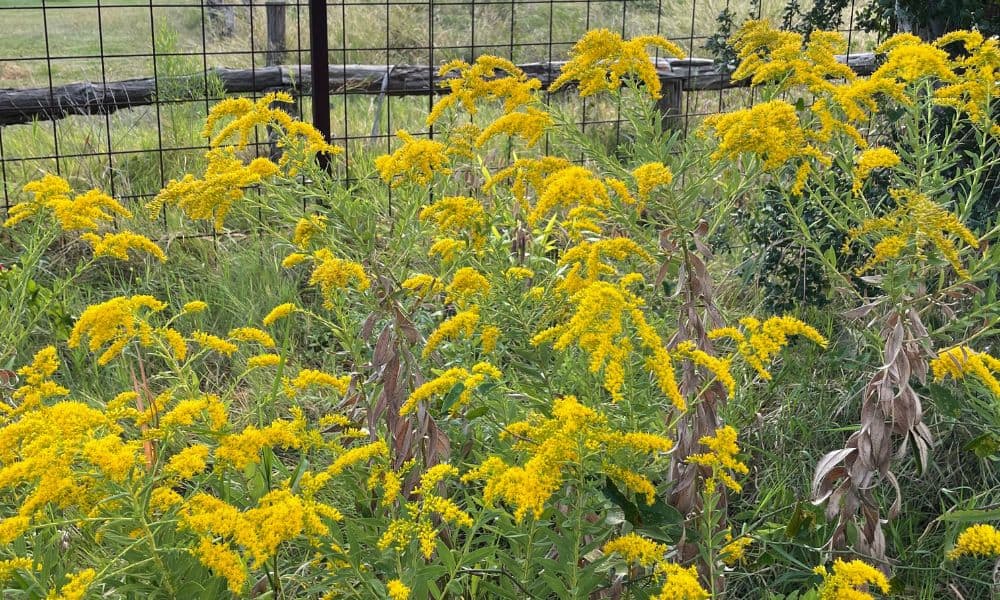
[[276, 44], [221, 16], [275, 11], [670, 103]]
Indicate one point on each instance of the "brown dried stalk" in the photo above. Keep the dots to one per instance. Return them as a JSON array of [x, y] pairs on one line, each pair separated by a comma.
[[142, 392], [395, 367], [891, 410], [707, 395]]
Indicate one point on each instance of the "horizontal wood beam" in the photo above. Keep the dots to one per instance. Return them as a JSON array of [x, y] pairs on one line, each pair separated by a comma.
[[18, 106]]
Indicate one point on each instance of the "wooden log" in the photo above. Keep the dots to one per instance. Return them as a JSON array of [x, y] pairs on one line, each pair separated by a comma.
[[26, 105]]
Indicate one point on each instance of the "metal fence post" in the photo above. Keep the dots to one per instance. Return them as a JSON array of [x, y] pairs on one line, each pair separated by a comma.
[[319, 60]]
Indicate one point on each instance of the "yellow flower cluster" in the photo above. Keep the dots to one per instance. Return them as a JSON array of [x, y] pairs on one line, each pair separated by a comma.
[[488, 338], [761, 342], [331, 274], [447, 248], [279, 516], [555, 445], [420, 524], [10, 566], [961, 361], [246, 115], [841, 101], [469, 84], [243, 448], [527, 173], [397, 590], [848, 579], [721, 459], [651, 176], [76, 586], [348, 458], [718, 367], [601, 58], [979, 540], [735, 549], [117, 245], [84, 212], [678, 583], [42, 450], [529, 124], [226, 176], [908, 59], [214, 343], [457, 215], [466, 284], [978, 70], [309, 378], [416, 161], [278, 312], [194, 306], [770, 55], [576, 189], [917, 222], [867, 161], [38, 384], [423, 285], [480, 81], [390, 480], [445, 382], [519, 273], [188, 462], [115, 322], [211, 197], [207, 407], [601, 311], [635, 548], [463, 324], [588, 261], [770, 131], [306, 228]]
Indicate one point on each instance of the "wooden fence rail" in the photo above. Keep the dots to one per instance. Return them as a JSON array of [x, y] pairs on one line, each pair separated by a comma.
[[18, 106]]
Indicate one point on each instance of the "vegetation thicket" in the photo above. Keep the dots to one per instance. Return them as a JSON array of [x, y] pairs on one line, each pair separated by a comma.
[[513, 363]]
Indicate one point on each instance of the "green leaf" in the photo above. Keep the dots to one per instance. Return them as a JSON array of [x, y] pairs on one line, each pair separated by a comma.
[[477, 412], [452, 397], [970, 516], [612, 493], [985, 445]]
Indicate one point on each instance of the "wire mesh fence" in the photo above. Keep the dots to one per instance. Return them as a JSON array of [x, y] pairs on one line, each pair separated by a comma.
[[113, 94]]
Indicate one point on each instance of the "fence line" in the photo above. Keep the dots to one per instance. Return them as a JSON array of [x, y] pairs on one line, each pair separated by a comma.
[[199, 51], [26, 105]]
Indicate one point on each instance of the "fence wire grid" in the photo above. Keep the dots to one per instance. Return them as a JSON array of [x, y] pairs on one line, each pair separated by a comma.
[[176, 47]]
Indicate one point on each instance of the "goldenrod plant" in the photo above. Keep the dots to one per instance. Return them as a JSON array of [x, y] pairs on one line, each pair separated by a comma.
[[511, 362]]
